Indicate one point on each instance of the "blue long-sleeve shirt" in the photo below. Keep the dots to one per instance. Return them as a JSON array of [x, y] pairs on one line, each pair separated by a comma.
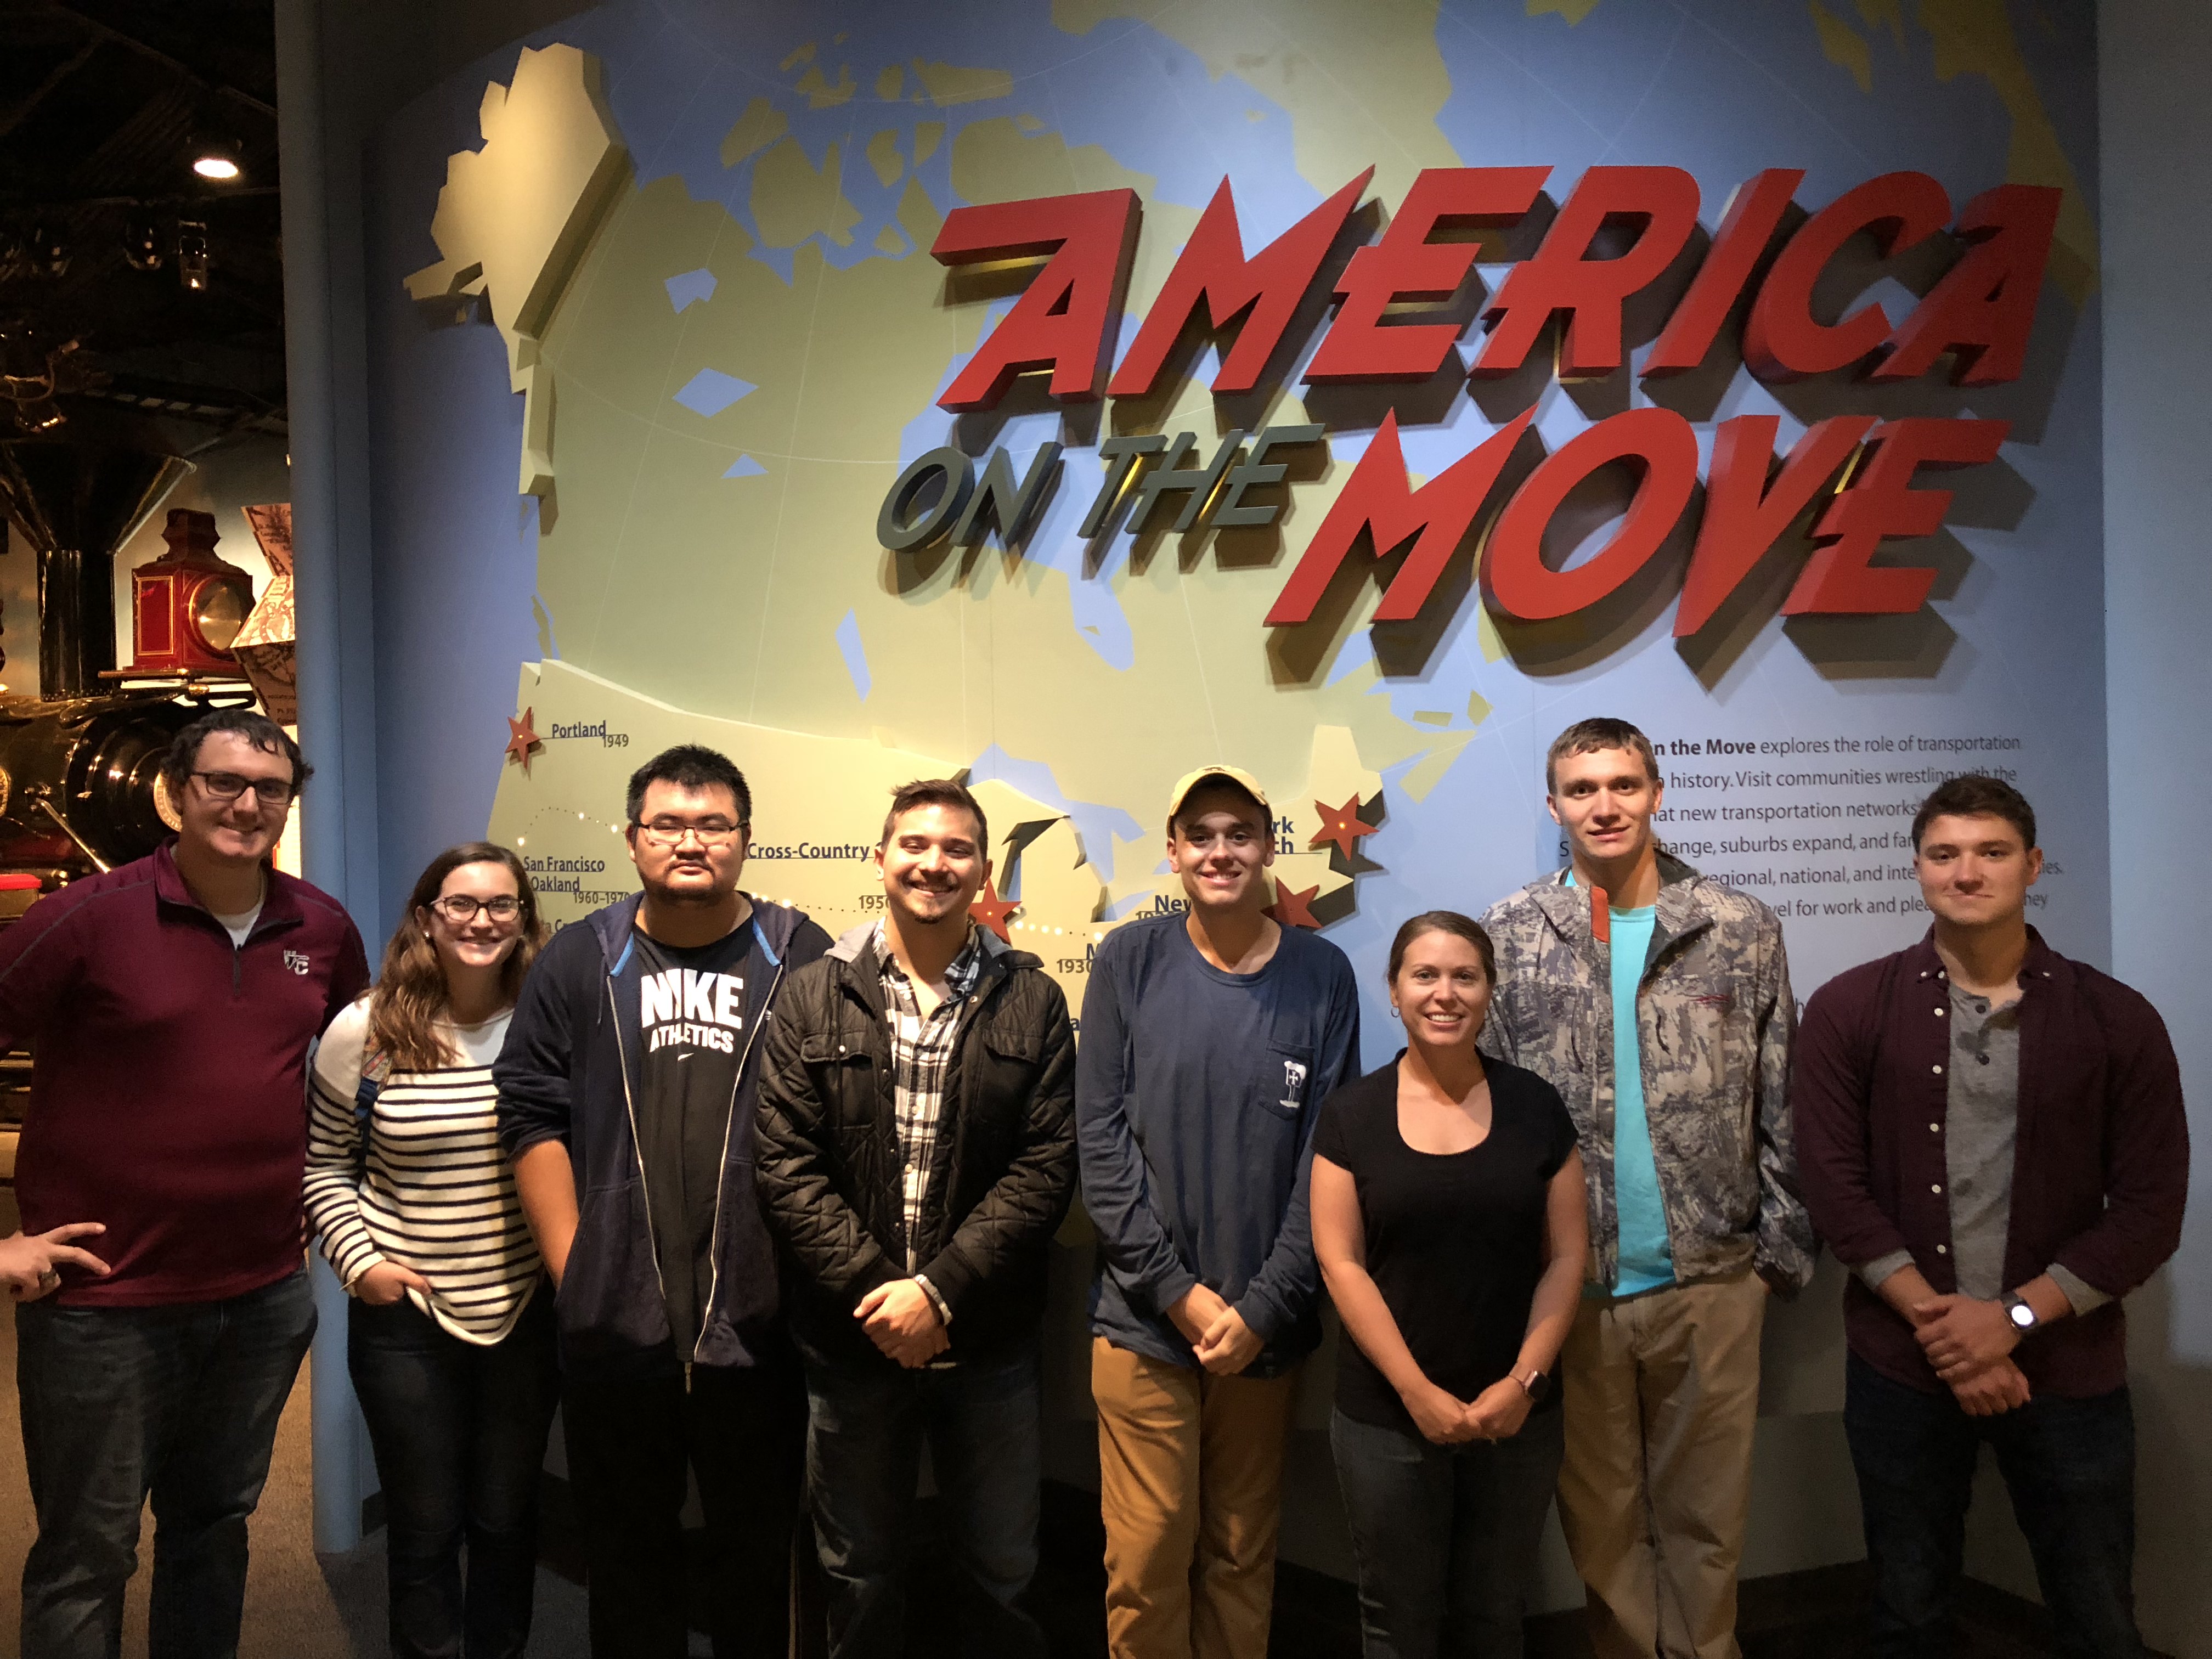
[[1194, 1096]]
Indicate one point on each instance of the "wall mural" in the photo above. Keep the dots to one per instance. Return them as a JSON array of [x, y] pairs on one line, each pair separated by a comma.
[[1072, 393]]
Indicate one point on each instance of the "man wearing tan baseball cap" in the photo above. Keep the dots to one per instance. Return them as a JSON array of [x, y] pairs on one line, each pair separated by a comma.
[[1209, 1034]]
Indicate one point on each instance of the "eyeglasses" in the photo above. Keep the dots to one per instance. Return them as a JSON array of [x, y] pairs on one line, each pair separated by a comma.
[[229, 785], [460, 908], [670, 832]]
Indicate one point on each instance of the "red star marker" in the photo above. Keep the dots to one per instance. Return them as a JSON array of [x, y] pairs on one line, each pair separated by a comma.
[[520, 740], [1342, 825], [1291, 908], [992, 911]]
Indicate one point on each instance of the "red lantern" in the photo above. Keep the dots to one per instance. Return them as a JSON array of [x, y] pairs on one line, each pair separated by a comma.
[[187, 606]]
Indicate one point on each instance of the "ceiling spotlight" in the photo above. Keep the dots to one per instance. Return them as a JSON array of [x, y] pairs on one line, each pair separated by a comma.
[[192, 255], [218, 161]]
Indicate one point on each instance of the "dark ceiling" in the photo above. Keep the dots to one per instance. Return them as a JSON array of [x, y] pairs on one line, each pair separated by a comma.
[[104, 105]]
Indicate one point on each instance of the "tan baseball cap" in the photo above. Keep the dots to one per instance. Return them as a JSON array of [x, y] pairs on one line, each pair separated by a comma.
[[1234, 776]]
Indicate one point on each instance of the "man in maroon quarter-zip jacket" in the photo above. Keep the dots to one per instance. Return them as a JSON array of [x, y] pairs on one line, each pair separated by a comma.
[[169, 1005]]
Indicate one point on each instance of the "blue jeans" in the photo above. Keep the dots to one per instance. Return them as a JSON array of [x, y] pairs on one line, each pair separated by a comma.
[[459, 1432], [180, 1402], [985, 1432], [2069, 1466], [1446, 1536]]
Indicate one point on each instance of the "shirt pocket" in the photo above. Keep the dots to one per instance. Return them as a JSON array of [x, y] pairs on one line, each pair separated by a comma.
[[1283, 1087]]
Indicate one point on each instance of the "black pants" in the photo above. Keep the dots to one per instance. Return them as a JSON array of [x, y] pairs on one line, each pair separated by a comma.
[[2069, 1466], [459, 1433], [630, 1440]]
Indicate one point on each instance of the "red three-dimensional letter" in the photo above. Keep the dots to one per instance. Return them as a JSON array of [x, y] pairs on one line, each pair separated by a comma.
[[1562, 276], [1744, 513], [1379, 500], [1746, 227], [1513, 564], [1406, 265], [1212, 274], [1782, 341], [1985, 306], [1069, 316], [1882, 503]]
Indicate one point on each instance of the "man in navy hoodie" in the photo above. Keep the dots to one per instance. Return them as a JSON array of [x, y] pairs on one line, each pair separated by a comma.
[[626, 1101]]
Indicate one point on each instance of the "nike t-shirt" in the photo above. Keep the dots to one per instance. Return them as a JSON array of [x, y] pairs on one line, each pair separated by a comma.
[[696, 1013]]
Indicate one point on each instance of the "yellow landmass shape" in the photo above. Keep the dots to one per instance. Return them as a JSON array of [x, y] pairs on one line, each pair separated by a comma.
[[820, 95], [884, 156], [1362, 84], [792, 199], [889, 83], [927, 135], [1878, 14], [803, 55], [515, 218], [1573, 10], [1975, 37], [761, 125], [1844, 45], [948, 83]]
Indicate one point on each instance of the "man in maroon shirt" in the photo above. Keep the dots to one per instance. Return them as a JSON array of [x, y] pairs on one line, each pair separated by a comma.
[[169, 1005], [1991, 1139]]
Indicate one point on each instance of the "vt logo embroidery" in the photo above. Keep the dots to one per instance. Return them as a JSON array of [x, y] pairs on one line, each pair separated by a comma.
[[296, 961], [1294, 1080]]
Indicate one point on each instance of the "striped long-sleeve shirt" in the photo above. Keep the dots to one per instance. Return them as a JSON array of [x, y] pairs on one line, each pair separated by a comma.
[[437, 1196]]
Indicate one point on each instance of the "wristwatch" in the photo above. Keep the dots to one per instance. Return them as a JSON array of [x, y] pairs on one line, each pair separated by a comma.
[[2017, 1310], [1536, 1384]]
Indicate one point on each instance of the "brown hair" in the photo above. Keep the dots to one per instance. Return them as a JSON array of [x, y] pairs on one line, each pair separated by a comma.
[[1443, 922], [1976, 796], [937, 792], [409, 997], [1588, 737], [182, 757]]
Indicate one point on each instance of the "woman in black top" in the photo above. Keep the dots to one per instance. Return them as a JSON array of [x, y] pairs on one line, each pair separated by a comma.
[[1449, 1219]]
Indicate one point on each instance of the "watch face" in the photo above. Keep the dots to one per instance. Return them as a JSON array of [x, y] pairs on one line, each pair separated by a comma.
[[2022, 1315]]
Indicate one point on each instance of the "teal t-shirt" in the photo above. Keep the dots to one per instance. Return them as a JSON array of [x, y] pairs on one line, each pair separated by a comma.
[[1646, 1261]]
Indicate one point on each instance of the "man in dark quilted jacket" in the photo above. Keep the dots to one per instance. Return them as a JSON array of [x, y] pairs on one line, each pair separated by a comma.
[[917, 1154]]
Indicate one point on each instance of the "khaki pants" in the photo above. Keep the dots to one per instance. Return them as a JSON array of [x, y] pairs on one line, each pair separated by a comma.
[[1191, 1485], [1662, 1398]]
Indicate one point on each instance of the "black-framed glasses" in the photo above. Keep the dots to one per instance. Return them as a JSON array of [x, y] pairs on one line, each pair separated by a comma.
[[670, 832], [229, 786], [460, 908]]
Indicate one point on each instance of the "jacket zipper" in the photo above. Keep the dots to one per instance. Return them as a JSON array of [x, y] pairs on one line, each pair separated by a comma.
[[723, 1185], [629, 1105]]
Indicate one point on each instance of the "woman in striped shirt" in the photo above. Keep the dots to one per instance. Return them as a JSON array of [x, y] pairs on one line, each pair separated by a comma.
[[450, 1338]]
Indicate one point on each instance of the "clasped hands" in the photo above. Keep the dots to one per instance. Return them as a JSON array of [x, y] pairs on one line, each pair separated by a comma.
[[1970, 1344], [1496, 1413], [903, 1323], [1217, 1332]]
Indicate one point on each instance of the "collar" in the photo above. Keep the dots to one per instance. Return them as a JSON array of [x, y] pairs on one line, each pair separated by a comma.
[[2040, 965], [277, 901], [960, 976]]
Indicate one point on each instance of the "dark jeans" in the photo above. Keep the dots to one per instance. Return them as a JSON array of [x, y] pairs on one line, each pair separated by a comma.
[[985, 1433], [1446, 1536], [460, 1432], [180, 1402], [742, 1433], [2069, 1466]]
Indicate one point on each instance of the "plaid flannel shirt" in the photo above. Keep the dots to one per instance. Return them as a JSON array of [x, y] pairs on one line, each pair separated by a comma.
[[921, 1059]]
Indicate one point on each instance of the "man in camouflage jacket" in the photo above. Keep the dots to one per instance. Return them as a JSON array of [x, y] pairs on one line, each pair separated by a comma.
[[1695, 1221]]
